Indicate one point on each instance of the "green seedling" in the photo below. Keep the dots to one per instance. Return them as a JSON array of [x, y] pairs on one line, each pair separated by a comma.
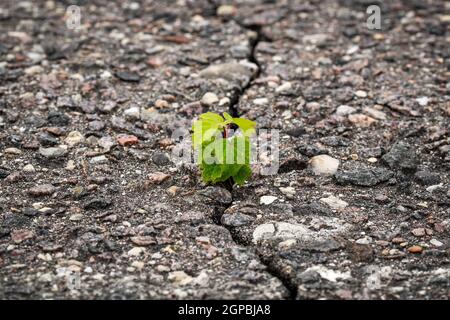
[[223, 153]]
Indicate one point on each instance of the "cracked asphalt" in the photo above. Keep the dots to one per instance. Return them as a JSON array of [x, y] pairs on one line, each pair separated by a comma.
[[93, 204]]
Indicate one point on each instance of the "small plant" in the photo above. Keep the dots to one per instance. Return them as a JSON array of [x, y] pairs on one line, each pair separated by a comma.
[[223, 152]]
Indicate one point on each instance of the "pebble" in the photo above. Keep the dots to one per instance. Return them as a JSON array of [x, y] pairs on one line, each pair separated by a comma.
[[361, 94], [70, 166], [74, 138], [33, 70], [217, 195], [108, 106], [267, 200], [261, 101], [96, 125], [334, 202], [41, 190], [138, 265], [99, 159], [20, 235], [324, 165], [236, 219], [415, 249], [427, 178], [382, 243], [4, 173], [316, 39], [436, 243], [209, 99], [136, 251], [158, 177], [423, 101], [106, 143], [365, 240], [126, 140], [57, 118], [401, 156], [29, 168], [76, 217], [231, 71], [361, 120], [52, 152], [173, 190], [329, 274], [381, 198], [377, 114], [160, 159], [364, 177], [13, 151], [434, 187], [287, 244], [143, 240], [285, 87], [128, 76], [161, 104], [226, 10], [46, 140], [224, 101], [282, 230], [289, 192], [418, 232], [132, 113], [345, 110], [179, 277]]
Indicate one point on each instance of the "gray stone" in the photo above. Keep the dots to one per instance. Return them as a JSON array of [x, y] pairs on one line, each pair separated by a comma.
[[363, 177], [41, 190], [284, 230], [160, 159], [52, 152], [344, 110], [427, 178], [217, 195], [132, 113], [231, 71], [401, 156], [236, 220]]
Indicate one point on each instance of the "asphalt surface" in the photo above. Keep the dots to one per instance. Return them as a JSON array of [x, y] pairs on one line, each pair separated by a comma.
[[94, 205]]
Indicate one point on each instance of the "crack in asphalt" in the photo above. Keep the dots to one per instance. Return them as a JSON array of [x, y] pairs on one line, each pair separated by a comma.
[[234, 100], [271, 267]]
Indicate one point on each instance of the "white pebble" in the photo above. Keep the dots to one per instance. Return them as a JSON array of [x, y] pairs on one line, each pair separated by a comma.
[[267, 199], [324, 165]]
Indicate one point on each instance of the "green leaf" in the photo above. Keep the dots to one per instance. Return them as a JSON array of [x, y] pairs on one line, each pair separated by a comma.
[[211, 172], [211, 117], [228, 117], [247, 126], [223, 158], [209, 125], [243, 174]]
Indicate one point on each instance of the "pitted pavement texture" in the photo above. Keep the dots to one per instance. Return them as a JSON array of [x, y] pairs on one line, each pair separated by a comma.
[[94, 205]]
